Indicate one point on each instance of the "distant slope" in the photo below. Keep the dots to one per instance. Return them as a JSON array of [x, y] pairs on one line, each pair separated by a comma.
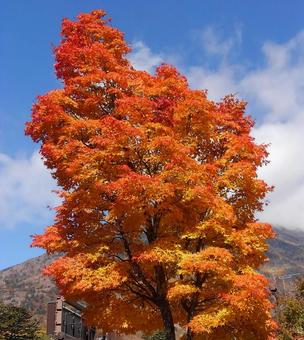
[[286, 253], [24, 284]]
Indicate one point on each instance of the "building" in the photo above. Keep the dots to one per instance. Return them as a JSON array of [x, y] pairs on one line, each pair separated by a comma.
[[65, 322]]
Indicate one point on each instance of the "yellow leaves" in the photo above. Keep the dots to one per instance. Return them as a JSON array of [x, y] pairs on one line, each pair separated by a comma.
[[206, 322], [157, 255], [95, 254], [180, 290], [251, 242], [211, 259], [197, 192]]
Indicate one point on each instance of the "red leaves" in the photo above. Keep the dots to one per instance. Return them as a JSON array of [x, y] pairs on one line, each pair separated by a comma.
[[163, 111], [89, 44]]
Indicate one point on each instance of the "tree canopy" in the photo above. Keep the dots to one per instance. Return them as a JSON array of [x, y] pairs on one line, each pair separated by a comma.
[[159, 193]]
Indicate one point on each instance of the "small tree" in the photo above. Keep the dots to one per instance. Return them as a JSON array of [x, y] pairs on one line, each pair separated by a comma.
[[290, 312], [158, 335], [16, 323], [159, 194]]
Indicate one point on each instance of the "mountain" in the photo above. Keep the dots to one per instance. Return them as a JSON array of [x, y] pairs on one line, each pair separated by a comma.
[[23, 284], [286, 255]]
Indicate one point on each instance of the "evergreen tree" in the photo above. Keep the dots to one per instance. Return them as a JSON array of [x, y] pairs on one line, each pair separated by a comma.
[[16, 323]]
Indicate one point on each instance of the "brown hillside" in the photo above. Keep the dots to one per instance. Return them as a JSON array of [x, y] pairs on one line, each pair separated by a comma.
[[24, 284], [286, 254]]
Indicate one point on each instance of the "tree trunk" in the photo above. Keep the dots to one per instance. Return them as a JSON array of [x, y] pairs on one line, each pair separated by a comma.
[[189, 334], [162, 302], [167, 320]]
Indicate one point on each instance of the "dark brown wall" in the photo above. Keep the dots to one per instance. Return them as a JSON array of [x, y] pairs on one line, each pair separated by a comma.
[[50, 321]]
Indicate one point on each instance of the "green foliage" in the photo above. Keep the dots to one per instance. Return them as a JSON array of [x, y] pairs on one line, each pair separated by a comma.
[[291, 313], [292, 316], [16, 323], [159, 335], [300, 289]]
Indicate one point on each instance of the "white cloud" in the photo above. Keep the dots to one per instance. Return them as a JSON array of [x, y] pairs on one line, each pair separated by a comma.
[[275, 92], [213, 44], [217, 83], [25, 191], [286, 172], [142, 58]]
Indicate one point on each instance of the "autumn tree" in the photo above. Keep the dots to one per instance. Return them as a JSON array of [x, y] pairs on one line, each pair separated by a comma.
[[159, 192]]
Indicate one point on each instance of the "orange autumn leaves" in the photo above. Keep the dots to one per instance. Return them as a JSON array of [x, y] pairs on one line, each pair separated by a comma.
[[159, 191]]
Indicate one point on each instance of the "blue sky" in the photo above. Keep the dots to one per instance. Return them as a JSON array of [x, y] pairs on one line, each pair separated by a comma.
[[252, 48]]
